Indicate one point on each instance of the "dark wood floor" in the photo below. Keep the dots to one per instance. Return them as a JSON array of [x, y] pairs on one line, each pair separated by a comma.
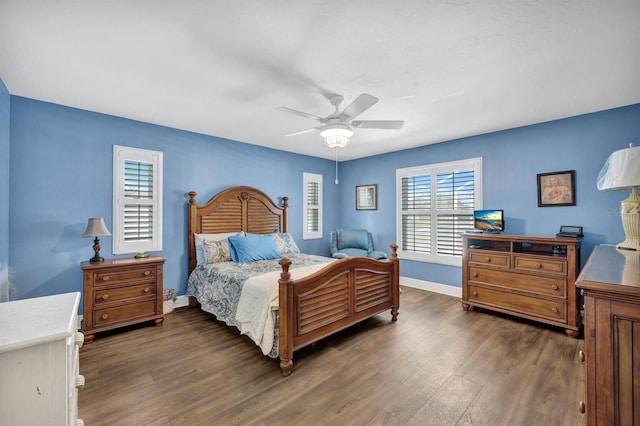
[[437, 365]]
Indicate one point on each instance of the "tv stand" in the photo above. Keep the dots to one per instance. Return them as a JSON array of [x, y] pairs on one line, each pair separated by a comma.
[[525, 276]]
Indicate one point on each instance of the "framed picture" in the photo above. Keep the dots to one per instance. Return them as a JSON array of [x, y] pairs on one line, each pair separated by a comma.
[[366, 197], [557, 189]]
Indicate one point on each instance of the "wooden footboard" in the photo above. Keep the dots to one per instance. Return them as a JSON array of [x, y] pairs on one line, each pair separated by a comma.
[[344, 293]]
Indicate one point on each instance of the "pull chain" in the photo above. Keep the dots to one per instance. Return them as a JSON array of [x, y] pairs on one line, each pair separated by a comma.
[[336, 166]]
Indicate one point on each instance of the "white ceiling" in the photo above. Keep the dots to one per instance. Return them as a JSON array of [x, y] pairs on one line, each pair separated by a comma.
[[448, 68]]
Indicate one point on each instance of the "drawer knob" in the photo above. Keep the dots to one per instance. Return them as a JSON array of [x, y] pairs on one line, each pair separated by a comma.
[[554, 310], [581, 407], [105, 296], [554, 286], [474, 293], [539, 265], [147, 273], [475, 275], [105, 278], [146, 290], [105, 316], [79, 381], [582, 356], [79, 339]]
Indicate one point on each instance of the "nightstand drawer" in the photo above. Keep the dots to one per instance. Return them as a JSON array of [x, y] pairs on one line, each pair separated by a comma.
[[118, 294], [124, 275], [128, 312]]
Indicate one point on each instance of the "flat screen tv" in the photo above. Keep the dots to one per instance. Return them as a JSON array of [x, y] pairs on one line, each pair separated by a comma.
[[488, 220]]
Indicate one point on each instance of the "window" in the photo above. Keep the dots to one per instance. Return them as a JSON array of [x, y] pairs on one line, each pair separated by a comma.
[[435, 205], [312, 210], [137, 200]]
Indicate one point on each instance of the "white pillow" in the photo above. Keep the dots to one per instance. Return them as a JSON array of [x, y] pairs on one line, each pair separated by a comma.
[[201, 256]]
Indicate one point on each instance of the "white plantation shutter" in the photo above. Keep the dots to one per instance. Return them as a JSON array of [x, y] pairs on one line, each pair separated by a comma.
[[312, 210], [435, 206], [137, 213]]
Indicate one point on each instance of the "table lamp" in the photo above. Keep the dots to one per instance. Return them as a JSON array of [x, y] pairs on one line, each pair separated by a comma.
[[622, 171], [96, 228]]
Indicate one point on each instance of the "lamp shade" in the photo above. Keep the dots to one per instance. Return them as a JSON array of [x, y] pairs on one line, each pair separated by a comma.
[[96, 228], [621, 170]]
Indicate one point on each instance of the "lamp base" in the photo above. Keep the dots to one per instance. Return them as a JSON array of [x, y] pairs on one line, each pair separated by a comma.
[[96, 259], [630, 213]]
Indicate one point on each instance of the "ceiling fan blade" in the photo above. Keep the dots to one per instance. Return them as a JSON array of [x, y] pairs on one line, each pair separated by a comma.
[[358, 106], [304, 114], [301, 132], [378, 124]]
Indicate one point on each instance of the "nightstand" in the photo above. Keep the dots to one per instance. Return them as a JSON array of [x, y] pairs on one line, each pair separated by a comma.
[[121, 292]]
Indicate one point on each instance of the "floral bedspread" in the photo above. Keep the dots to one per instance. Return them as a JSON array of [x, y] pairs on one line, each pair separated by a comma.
[[218, 286]]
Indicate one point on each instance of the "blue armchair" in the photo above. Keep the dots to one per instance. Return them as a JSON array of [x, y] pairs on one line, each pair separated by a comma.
[[353, 242]]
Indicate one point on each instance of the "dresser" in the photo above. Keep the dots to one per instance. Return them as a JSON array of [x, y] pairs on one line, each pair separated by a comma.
[[525, 276], [120, 292], [611, 284], [39, 361]]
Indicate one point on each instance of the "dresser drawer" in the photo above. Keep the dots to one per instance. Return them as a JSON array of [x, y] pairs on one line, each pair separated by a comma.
[[124, 275], [550, 286], [105, 316], [118, 294], [538, 265], [482, 257], [521, 304]]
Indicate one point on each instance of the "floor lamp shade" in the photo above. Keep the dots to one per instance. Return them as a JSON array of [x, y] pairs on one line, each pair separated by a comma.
[[622, 171]]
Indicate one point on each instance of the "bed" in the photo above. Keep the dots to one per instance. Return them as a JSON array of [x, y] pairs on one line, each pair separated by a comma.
[[312, 296]]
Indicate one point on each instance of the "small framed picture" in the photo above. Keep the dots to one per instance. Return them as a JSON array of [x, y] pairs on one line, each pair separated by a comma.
[[366, 197], [557, 189]]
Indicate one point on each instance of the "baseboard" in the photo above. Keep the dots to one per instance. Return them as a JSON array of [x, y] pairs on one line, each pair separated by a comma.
[[449, 290], [181, 301]]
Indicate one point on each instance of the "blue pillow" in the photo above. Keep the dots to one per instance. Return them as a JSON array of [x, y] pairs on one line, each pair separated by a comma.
[[250, 249]]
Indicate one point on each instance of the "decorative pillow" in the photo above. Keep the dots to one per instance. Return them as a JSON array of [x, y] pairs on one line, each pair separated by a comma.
[[201, 256], [285, 243], [250, 249], [217, 251]]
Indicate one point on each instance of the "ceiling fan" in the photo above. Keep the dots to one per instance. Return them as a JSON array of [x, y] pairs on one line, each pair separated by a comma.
[[337, 128]]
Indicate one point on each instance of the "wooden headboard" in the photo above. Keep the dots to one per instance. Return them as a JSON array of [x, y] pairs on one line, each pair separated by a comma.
[[241, 208]]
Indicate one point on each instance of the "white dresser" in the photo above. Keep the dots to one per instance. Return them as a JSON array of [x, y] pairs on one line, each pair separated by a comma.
[[39, 361]]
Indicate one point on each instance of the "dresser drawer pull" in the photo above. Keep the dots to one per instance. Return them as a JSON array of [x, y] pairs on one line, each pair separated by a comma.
[[488, 260], [79, 339], [540, 266], [474, 293], [105, 278], [554, 310], [475, 275], [105, 316], [146, 290], [582, 356], [554, 286], [79, 381], [105, 296], [581, 407], [147, 273]]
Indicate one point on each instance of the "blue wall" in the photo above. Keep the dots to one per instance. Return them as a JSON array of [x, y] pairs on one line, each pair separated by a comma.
[[511, 161], [61, 174], [5, 102]]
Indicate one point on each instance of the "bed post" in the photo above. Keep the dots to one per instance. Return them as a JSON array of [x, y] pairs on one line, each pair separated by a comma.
[[396, 282], [285, 308], [193, 211], [285, 219]]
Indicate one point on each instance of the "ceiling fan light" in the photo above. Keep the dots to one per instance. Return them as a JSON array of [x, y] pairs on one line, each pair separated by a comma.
[[337, 135]]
